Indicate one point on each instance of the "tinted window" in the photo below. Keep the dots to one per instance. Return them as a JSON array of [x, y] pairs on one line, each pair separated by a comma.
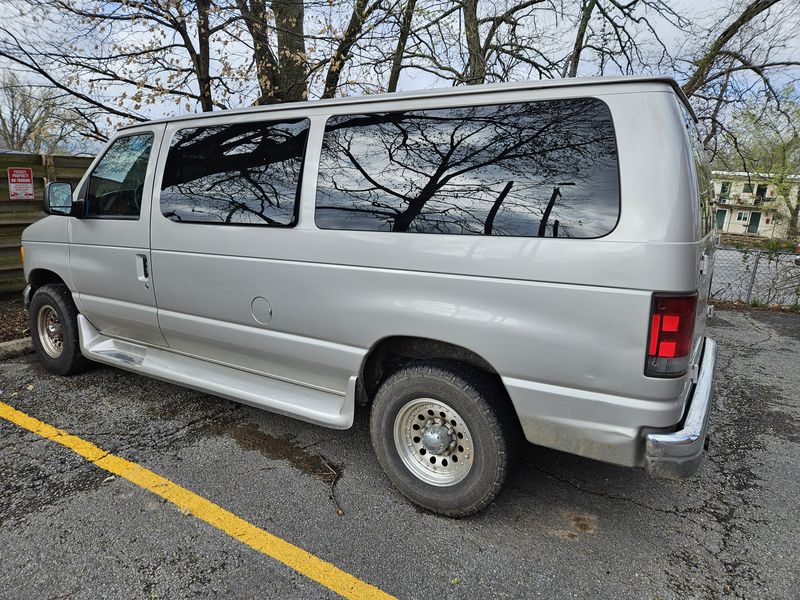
[[705, 190], [534, 169], [246, 173], [116, 185]]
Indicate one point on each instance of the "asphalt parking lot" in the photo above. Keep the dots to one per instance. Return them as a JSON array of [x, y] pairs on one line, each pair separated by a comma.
[[565, 526]]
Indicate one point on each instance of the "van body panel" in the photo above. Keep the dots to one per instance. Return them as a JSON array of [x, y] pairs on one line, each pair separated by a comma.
[[47, 249], [316, 302]]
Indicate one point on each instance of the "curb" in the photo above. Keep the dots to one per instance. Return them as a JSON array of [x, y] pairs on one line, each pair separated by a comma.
[[15, 348]]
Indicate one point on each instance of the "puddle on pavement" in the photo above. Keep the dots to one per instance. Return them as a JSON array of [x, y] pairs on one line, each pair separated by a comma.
[[283, 447]]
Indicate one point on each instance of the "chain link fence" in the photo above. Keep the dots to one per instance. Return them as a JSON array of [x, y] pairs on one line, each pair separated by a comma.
[[756, 277]]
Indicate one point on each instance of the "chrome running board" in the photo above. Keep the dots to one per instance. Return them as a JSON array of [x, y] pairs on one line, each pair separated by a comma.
[[308, 404]]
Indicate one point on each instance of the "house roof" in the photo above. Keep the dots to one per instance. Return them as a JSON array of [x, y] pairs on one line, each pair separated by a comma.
[[747, 175]]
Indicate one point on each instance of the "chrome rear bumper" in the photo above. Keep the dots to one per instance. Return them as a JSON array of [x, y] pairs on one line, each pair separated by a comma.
[[677, 455]]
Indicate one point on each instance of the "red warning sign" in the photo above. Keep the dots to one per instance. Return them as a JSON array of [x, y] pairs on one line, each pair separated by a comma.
[[20, 183]]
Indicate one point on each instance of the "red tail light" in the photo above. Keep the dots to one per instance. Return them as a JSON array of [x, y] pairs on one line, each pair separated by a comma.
[[669, 345]]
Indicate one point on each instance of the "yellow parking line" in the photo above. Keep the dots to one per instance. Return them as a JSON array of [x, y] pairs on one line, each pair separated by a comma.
[[292, 556]]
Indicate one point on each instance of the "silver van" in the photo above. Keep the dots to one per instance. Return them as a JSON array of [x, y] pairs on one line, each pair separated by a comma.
[[478, 265]]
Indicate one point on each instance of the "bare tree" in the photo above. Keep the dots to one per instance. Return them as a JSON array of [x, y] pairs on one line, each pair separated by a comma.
[[361, 12], [160, 50], [118, 56], [281, 64], [33, 120], [748, 55], [718, 52], [620, 35], [461, 43], [128, 60]]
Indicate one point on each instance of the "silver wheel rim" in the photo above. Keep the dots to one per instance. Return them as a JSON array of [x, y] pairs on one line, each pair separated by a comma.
[[433, 442], [50, 330]]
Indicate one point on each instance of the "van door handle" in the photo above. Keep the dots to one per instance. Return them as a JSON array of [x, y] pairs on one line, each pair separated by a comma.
[[142, 271]]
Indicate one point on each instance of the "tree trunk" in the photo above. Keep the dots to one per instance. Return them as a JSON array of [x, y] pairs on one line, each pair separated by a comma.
[[350, 36], [571, 68], [403, 221], [204, 55], [289, 15], [487, 227], [397, 60], [546, 216], [476, 65], [255, 19]]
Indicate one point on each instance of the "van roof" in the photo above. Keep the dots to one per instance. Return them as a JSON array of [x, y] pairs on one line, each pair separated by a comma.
[[452, 91]]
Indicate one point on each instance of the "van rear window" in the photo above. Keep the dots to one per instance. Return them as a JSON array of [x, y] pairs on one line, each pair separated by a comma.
[[238, 174], [539, 169]]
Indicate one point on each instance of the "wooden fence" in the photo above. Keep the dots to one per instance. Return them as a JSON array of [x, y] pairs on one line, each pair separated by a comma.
[[16, 215]]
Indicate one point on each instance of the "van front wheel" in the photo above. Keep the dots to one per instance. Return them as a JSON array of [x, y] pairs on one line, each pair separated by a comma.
[[443, 434], [53, 322]]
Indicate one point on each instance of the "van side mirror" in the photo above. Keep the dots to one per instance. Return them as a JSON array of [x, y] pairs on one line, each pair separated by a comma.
[[58, 198]]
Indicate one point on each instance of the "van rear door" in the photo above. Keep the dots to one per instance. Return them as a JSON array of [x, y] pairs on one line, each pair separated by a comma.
[[704, 225]]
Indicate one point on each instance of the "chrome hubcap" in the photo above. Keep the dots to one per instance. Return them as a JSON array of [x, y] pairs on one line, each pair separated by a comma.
[[437, 438], [433, 442], [50, 330]]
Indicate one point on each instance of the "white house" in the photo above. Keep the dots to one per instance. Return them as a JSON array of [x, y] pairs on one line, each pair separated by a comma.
[[746, 204]]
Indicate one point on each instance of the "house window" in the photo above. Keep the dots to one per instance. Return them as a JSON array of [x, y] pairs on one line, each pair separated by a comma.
[[761, 193], [725, 190], [742, 216]]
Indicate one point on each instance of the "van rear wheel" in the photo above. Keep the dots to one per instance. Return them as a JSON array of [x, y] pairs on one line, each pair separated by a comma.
[[443, 433], [53, 322]]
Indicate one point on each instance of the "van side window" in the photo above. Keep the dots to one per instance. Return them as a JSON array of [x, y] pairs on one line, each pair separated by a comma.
[[116, 185], [705, 189], [540, 169], [238, 174]]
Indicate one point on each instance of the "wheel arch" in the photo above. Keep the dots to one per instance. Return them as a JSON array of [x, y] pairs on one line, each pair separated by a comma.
[[392, 352], [40, 276]]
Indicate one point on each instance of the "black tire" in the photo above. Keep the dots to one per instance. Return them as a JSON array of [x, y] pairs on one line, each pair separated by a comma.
[[57, 296], [483, 406]]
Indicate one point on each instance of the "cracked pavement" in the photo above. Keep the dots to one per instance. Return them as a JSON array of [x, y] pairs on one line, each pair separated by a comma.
[[564, 527]]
